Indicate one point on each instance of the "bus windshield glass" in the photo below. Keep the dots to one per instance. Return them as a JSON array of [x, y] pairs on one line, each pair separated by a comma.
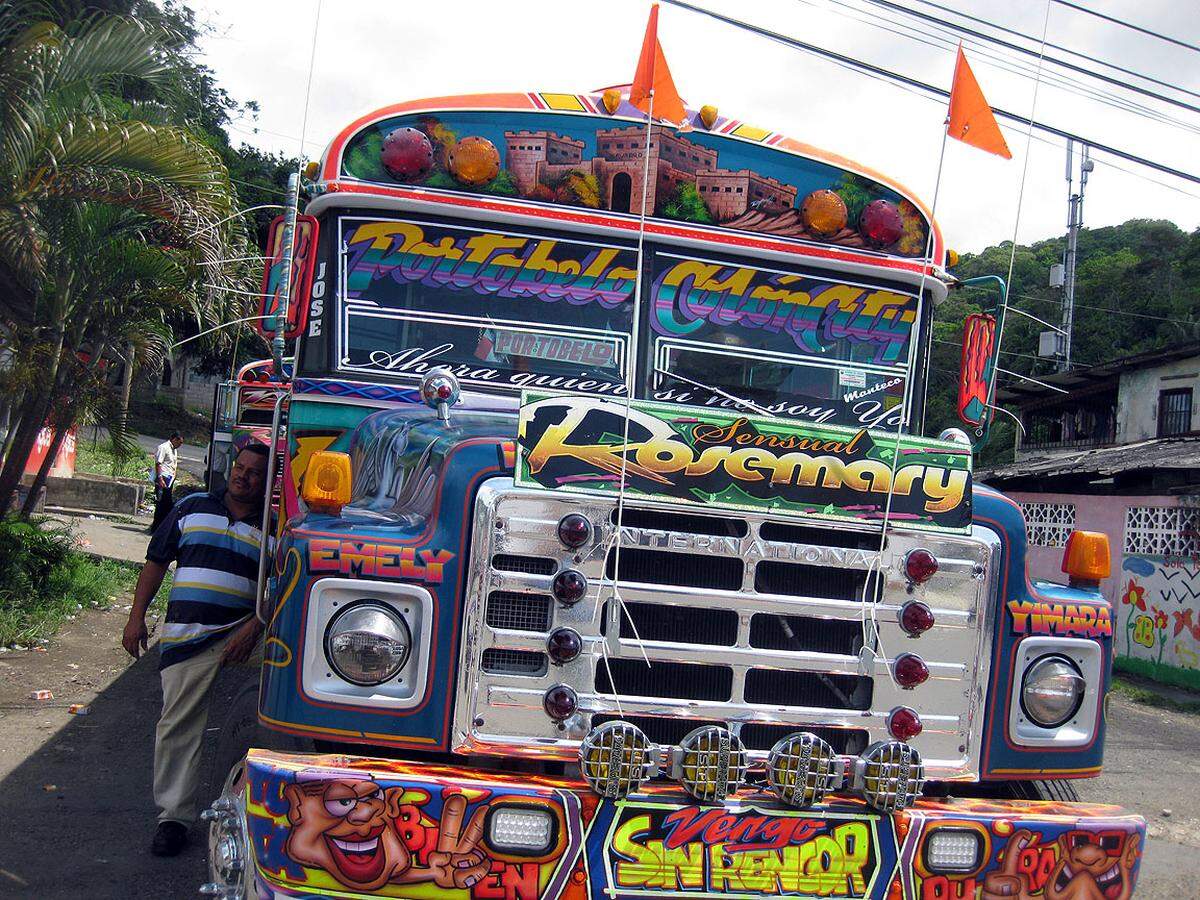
[[502, 310], [782, 342], [506, 310]]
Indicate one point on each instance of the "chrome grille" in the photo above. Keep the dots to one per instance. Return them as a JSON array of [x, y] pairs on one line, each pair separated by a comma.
[[528, 565], [513, 662], [518, 612], [749, 622]]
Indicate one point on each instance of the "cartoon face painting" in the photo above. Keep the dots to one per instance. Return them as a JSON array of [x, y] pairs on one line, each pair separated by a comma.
[[341, 825], [1094, 866], [348, 827]]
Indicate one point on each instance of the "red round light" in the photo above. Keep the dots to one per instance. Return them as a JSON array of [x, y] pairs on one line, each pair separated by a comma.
[[407, 154], [574, 530], [920, 565], [570, 586], [910, 670], [904, 723], [916, 618], [881, 223], [560, 702], [564, 645], [444, 391]]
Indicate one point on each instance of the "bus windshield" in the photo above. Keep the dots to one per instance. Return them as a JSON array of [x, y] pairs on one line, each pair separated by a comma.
[[507, 310]]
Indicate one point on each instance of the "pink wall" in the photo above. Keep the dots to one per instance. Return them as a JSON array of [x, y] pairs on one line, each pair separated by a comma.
[[1092, 513]]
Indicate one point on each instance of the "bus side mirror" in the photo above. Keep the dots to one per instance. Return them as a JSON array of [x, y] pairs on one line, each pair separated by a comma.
[[304, 258], [977, 373]]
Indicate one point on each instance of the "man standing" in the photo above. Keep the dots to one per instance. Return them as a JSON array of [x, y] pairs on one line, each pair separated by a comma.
[[214, 540], [166, 461]]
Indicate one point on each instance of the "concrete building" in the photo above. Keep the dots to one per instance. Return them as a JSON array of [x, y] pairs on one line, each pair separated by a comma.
[[1119, 452]]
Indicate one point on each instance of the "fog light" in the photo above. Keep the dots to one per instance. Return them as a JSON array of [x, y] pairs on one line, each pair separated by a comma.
[[520, 829], [367, 643], [710, 762], [802, 769], [574, 530], [570, 586], [920, 565], [910, 670], [560, 702], [890, 775], [564, 645], [1052, 691], [904, 723], [616, 759], [916, 618], [953, 850]]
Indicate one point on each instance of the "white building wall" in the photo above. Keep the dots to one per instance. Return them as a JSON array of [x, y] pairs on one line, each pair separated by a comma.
[[1137, 397]]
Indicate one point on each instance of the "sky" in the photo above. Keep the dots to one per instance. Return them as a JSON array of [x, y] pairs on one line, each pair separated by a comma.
[[371, 53]]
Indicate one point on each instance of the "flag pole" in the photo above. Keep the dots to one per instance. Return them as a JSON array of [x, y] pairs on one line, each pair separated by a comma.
[[869, 606], [617, 607]]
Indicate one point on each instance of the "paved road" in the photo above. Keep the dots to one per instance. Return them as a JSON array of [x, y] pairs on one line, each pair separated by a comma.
[[77, 814]]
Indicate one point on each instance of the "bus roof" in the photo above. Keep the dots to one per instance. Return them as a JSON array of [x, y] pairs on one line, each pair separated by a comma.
[[717, 179]]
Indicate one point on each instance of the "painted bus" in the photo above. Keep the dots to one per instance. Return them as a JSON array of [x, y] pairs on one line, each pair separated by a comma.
[[614, 560]]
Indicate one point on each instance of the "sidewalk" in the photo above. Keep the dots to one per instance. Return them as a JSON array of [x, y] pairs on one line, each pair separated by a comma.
[[121, 538]]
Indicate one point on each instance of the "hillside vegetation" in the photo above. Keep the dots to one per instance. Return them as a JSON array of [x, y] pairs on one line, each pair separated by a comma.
[[1137, 289]]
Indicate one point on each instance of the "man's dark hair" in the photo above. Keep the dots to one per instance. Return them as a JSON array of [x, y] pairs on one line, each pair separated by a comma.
[[257, 449], [175, 436]]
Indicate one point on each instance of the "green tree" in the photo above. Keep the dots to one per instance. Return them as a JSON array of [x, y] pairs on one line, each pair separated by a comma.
[[72, 139]]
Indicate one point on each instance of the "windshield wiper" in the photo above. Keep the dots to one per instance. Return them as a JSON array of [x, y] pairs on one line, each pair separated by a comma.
[[720, 393]]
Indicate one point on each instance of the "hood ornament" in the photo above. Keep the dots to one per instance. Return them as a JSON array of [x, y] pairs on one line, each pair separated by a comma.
[[440, 391]]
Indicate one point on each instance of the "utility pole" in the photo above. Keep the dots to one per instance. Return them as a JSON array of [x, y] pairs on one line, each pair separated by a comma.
[[1074, 222]]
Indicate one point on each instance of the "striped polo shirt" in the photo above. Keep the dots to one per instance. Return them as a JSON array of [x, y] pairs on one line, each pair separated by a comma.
[[216, 571]]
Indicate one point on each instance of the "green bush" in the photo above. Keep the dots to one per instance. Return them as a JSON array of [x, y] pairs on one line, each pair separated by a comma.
[[45, 580]]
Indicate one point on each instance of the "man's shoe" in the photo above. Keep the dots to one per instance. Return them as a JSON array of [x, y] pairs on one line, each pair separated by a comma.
[[169, 839]]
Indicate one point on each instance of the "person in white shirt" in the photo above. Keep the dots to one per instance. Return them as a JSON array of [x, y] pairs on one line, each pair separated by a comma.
[[166, 460]]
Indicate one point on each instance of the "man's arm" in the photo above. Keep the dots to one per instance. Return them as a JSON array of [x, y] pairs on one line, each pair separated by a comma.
[[148, 583]]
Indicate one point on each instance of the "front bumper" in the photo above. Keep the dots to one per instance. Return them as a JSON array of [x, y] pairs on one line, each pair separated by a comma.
[[336, 826]]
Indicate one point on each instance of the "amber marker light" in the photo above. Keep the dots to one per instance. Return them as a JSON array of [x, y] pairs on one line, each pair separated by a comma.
[[824, 213], [474, 160], [1086, 559], [327, 482]]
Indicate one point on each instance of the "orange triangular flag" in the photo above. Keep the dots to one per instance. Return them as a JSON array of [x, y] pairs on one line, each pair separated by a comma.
[[970, 118], [652, 73]]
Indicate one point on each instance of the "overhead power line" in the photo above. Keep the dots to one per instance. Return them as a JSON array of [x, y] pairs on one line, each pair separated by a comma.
[[1062, 63], [1053, 46], [897, 78], [1129, 25], [1103, 309], [947, 36]]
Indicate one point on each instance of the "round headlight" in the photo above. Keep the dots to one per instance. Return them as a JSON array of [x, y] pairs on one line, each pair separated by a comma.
[[1052, 691], [367, 643]]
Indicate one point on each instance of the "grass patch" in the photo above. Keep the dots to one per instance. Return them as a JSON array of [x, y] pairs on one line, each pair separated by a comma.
[[1189, 679], [100, 460], [1138, 693], [45, 580], [161, 417]]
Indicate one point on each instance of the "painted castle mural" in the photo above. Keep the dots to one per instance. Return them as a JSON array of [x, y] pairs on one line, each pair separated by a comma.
[[595, 163]]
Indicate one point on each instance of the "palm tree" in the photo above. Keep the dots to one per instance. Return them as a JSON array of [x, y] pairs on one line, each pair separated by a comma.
[[69, 145]]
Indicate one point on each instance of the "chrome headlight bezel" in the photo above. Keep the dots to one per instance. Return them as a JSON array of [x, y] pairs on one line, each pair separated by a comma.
[[383, 615], [1079, 729]]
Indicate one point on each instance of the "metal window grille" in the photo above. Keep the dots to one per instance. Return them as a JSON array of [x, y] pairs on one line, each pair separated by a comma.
[[1049, 524], [1174, 412], [1162, 530]]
